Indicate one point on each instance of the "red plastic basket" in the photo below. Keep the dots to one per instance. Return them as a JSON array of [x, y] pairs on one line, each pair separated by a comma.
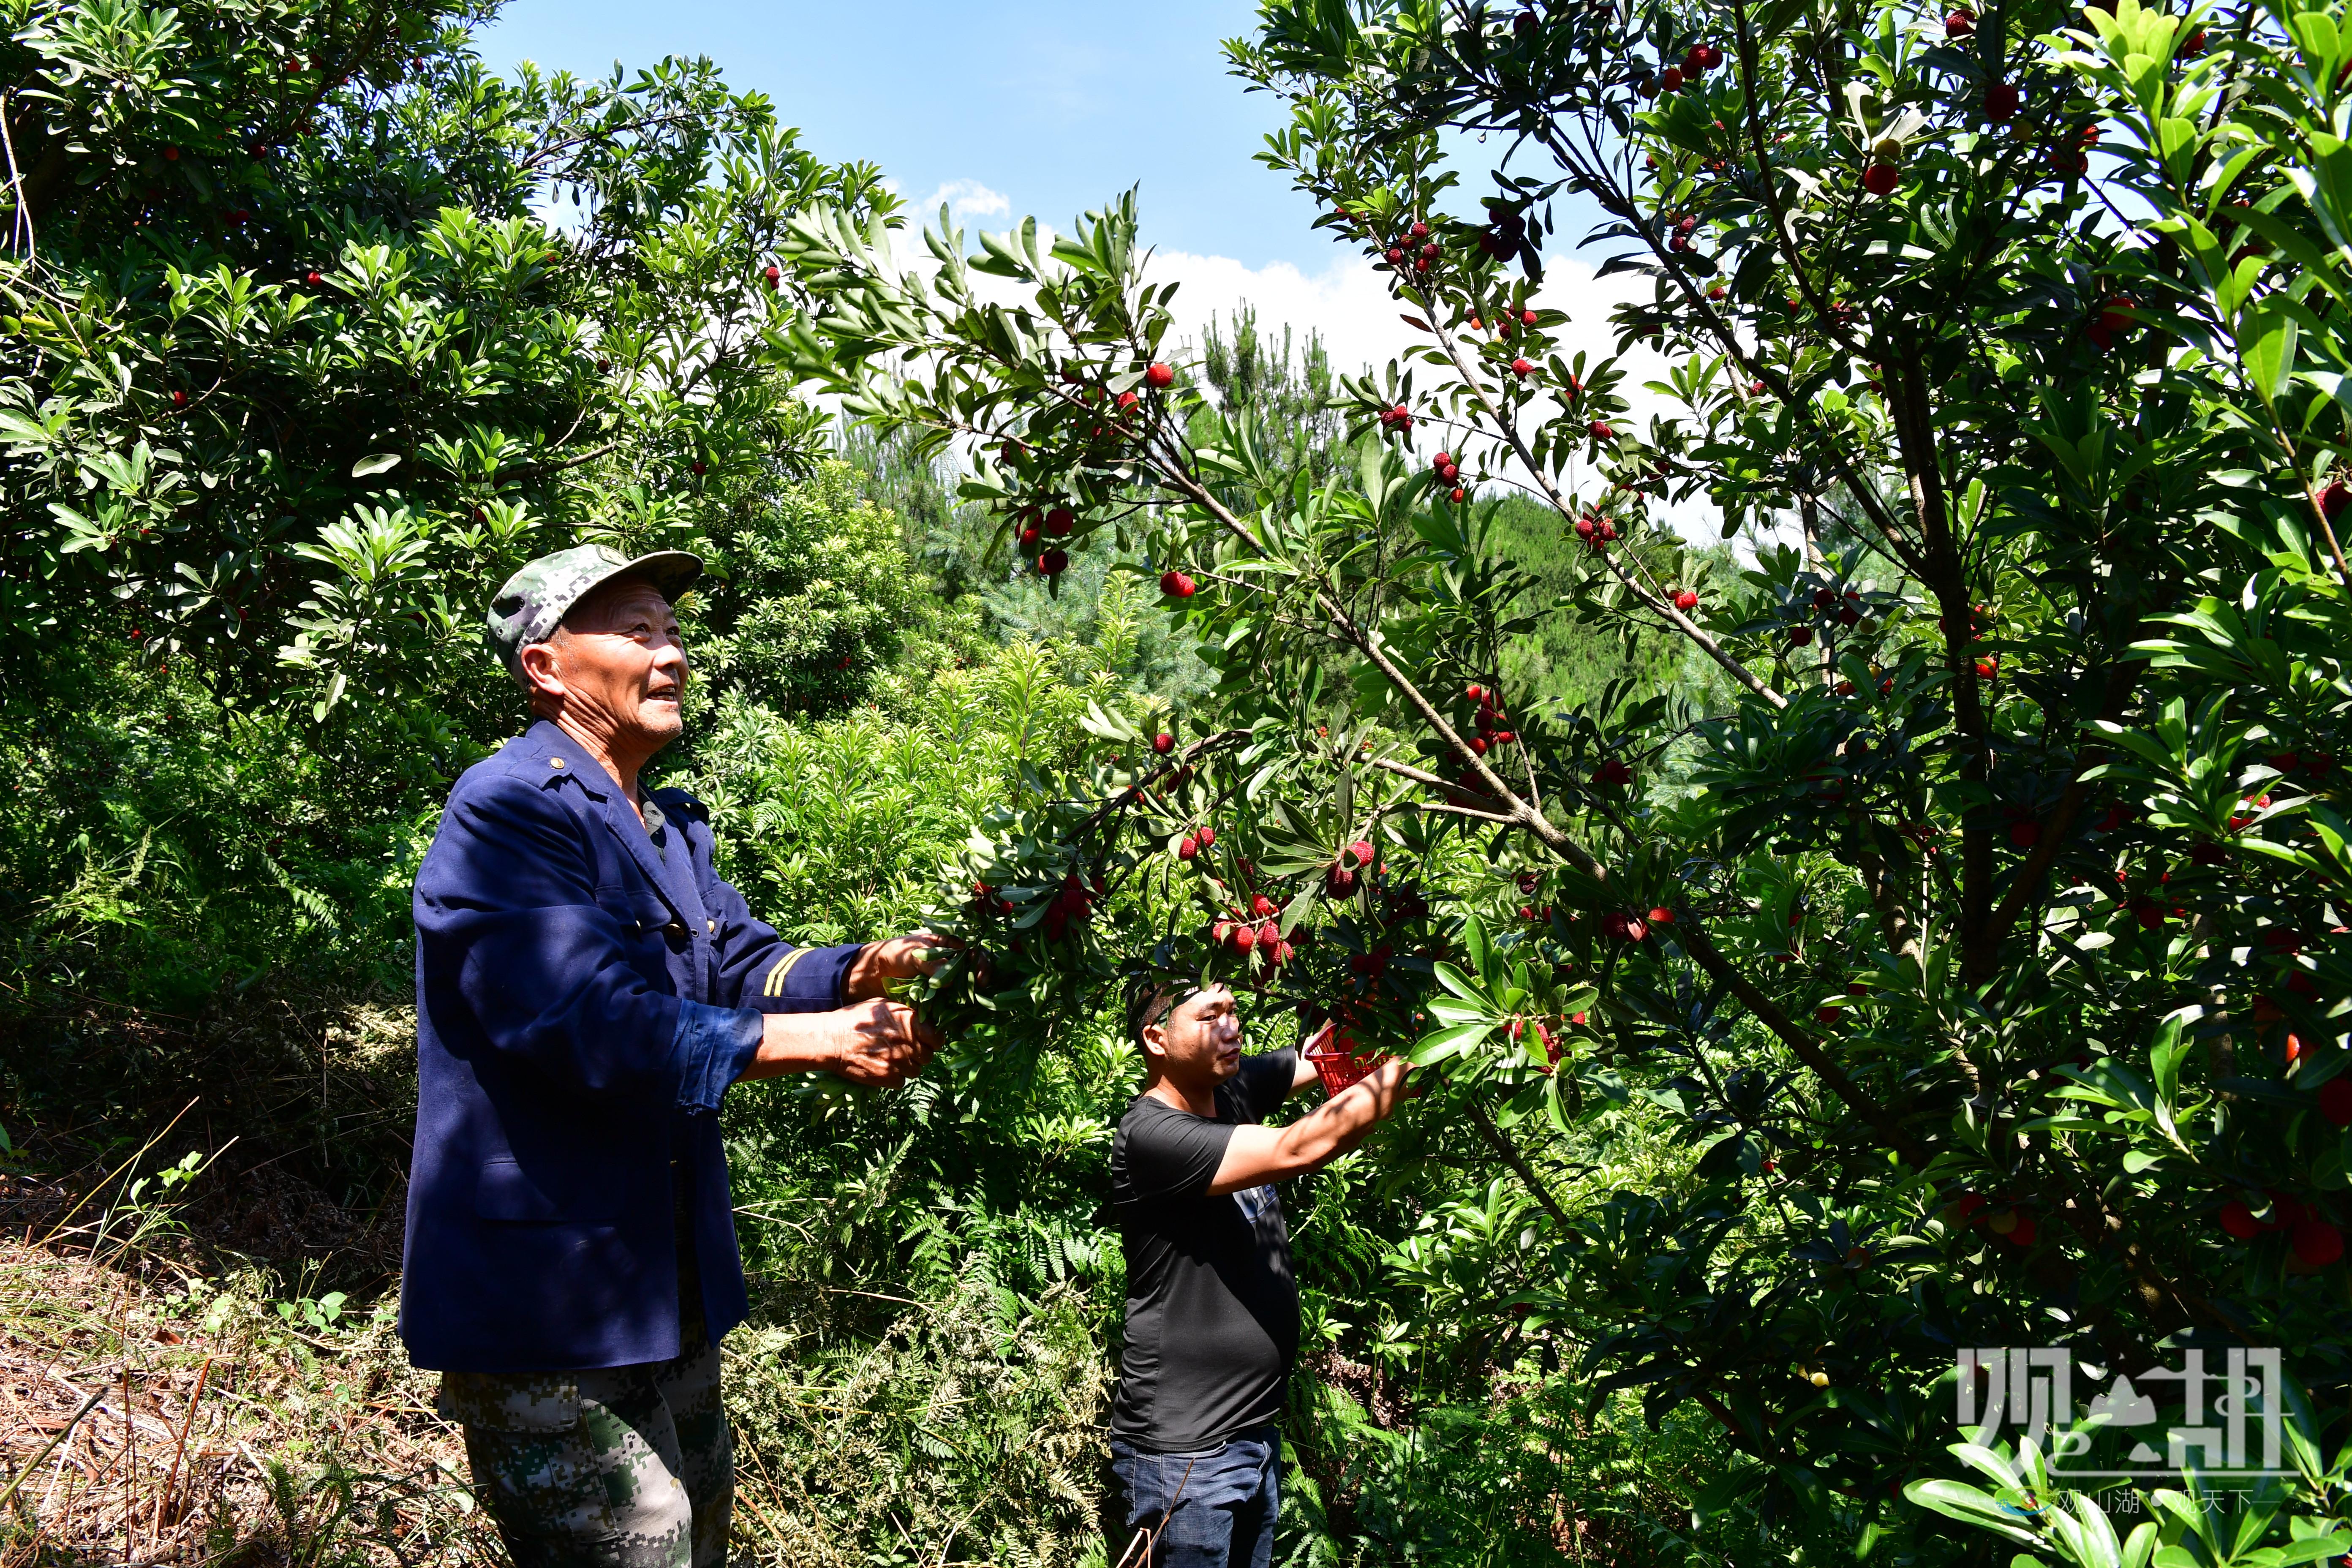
[[1338, 1060]]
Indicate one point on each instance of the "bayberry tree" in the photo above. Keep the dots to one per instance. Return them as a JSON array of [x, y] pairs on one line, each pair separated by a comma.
[[1986, 937], [309, 326]]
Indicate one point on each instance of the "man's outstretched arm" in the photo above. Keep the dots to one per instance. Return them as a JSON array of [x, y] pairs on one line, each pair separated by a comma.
[[1256, 1155]]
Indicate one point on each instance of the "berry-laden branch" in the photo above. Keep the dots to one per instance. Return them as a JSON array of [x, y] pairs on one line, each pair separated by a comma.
[[1662, 608]]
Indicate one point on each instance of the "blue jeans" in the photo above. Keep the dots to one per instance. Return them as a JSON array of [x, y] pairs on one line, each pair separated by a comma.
[[1213, 1509]]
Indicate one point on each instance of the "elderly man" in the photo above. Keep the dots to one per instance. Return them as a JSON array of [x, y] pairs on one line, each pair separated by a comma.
[[586, 989]]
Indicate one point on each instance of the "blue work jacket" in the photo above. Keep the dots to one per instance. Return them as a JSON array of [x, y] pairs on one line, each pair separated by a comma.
[[583, 1000]]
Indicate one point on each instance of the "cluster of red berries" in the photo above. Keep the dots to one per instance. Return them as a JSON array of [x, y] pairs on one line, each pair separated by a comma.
[[1612, 774], [1073, 903], [1489, 721], [1701, 59], [1254, 932], [2010, 1222], [1633, 927], [1449, 471], [1413, 248], [1398, 419], [1340, 879], [1189, 847], [1519, 1027], [2314, 1242], [1597, 531]]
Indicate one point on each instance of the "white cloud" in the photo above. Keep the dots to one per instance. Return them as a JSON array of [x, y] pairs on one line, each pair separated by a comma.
[[1362, 327], [964, 198]]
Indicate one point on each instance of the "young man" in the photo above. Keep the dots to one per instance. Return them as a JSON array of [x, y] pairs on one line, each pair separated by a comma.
[[1212, 1308]]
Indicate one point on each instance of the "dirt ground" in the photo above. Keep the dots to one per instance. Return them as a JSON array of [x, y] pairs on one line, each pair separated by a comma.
[[151, 1413]]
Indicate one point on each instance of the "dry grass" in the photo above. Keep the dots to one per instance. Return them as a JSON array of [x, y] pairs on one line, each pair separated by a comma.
[[151, 1413]]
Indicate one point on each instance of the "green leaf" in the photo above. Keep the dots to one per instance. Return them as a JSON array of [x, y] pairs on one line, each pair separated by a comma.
[[375, 463]]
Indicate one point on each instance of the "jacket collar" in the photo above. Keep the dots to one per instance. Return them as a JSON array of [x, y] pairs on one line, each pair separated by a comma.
[[544, 745]]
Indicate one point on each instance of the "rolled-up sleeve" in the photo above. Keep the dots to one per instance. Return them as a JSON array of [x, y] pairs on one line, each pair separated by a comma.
[[715, 1045], [517, 958]]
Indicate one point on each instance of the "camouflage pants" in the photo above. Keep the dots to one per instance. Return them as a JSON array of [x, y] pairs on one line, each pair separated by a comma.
[[630, 1467]]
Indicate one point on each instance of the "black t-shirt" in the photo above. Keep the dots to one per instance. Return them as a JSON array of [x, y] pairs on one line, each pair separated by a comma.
[[1212, 1308]]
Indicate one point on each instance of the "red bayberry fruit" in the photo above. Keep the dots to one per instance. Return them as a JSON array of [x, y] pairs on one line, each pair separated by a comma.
[[1802, 636], [2025, 834], [1244, 939], [1602, 430], [699, 467], [1163, 743], [1059, 521], [2333, 499], [1613, 774], [1029, 537], [1959, 24], [1523, 367], [1158, 377], [1054, 563], [1671, 79], [2335, 1100], [1208, 835], [312, 279], [1362, 850], [1686, 600], [1440, 460], [774, 275], [1261, 906], [179, 399], [2316, 1243], [1187, 848], [2237, 1221], [1458, 496], [2000, 100], [1474, 693], [1880, 179], [1176, 585], [1662, 916], [1527, 318]]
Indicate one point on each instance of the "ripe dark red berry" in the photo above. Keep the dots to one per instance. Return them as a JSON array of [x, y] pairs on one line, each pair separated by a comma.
[[1686, 600], [1527, 318], [1670, 80], [1158, 377], [2335, 1100], [179, 399], [1522, 367], [1029, 538], [2000, 100], [1458, 496], [1059, 521], [774, 275], [2316, 1243], [1188, 848], [1881, 179], [1163, 743], [1176, 585], [1054, 563], [1959, 24], [1801, 636], [2025, 834], [2237, 1221], [2333, 499], [1602, 430]]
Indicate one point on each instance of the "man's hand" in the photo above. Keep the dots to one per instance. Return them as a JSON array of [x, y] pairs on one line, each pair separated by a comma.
[[901, 958], [876, 1042], [1256, 1154]]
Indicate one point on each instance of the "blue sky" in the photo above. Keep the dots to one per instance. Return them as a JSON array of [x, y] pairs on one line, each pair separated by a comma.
[[1052, 105], [1046, 108]]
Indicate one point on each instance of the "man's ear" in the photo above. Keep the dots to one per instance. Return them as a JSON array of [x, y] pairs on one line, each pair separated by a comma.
[[542, 670], [1155, 1039]]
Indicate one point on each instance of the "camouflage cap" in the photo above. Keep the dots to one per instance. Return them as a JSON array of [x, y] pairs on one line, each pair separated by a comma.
[[535, 599]]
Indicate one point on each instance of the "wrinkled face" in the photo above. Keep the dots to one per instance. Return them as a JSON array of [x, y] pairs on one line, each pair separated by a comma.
[[616, 667], [1198, 1041]]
